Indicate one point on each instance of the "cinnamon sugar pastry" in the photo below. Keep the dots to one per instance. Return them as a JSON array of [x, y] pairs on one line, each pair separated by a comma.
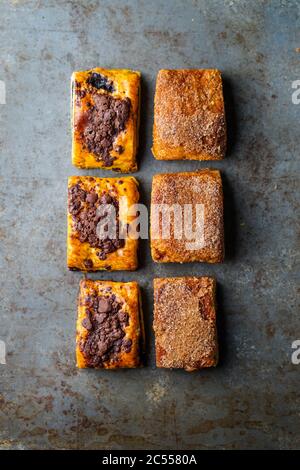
[[189, 115], [185, 322], [198, 189]]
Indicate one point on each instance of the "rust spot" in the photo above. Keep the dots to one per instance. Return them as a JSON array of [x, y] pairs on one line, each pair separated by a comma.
[[63, 366], [259, 58], [169, 38], [240, 39], [270, 330]]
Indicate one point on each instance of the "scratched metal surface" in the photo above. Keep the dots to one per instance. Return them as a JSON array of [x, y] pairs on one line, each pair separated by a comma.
[[252, 399]]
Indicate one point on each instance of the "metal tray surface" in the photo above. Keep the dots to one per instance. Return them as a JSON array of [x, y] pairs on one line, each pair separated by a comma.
[[251, 400]]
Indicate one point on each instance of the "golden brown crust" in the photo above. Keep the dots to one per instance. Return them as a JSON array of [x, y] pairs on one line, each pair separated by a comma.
[[78, 253], [126, 292], [126, 84], [185, 323], [189, 115], [202, 187]]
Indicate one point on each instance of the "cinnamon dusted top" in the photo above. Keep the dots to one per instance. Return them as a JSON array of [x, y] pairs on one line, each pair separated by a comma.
[[189, 116], [185, 323], [202, 187]]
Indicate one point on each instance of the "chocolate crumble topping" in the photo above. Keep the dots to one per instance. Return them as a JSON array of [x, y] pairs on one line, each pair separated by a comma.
[[105, 323], [105, 119], [83, 206]]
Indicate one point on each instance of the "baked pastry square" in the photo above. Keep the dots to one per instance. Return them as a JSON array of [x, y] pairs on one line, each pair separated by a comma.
[[185, 323], [105, 119], [191, 203], [189, 115], [110, 330], [98, 211]]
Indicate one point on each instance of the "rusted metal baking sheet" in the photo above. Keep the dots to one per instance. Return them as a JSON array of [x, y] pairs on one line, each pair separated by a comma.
[[252, 398]]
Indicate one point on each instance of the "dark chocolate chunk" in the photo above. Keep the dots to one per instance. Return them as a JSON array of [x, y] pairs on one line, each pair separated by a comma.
[[119, 149], [101, 255], [75, 207], [104, 305], [92, 197], [102, 348], [127, 345], [123, 317], [88, 263], [100, 82], [100, 317], [86, 323]]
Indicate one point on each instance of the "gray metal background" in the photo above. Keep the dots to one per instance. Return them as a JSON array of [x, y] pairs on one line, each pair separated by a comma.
[[252, 399]]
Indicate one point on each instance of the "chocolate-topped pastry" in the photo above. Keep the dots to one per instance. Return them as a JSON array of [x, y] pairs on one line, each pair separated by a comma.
[[185, 322], [109, 325], [105, 107], [92, 204]]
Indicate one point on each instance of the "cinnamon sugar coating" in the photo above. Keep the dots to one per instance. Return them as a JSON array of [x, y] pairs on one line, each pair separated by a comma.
[[198, 188], [185, 322], [189, 115]]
